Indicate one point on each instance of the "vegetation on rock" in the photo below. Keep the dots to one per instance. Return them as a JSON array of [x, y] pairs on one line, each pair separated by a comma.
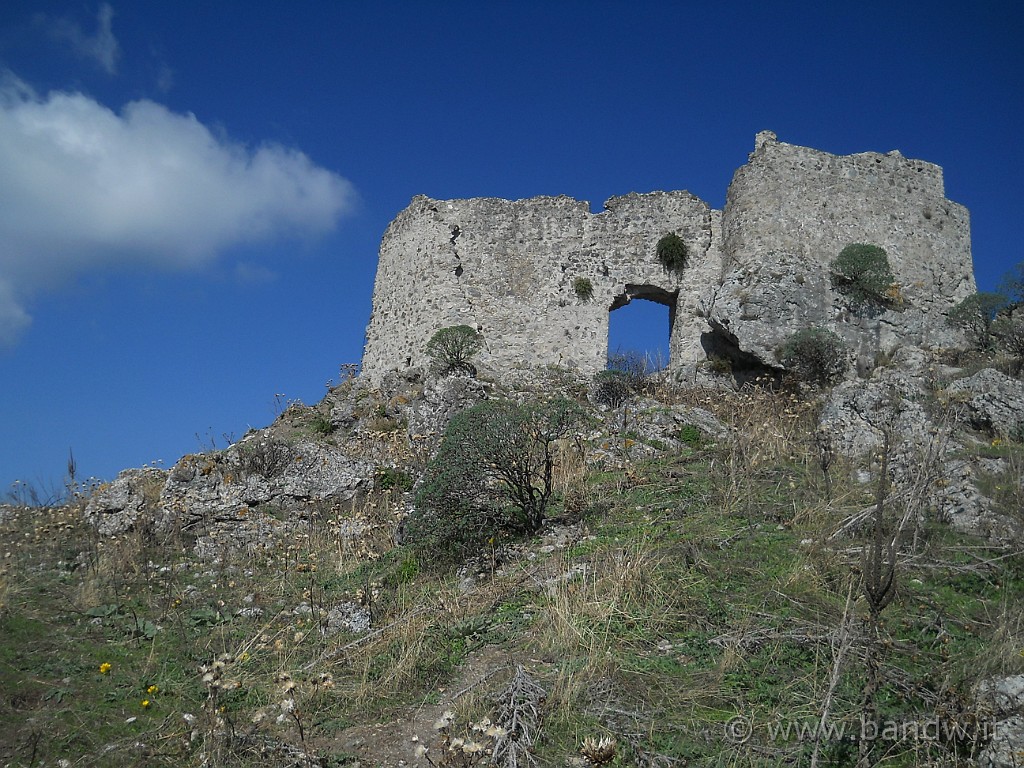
[[611, 387], [492, 476], [818, 356], [583, 288], [672, 253], [975, 316], [994, 321], [1008, 332], [862, 273], [450, 349]]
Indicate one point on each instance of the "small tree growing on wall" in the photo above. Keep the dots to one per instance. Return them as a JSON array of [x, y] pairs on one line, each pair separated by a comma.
[[862, 273], [451, 348], [672, 252]]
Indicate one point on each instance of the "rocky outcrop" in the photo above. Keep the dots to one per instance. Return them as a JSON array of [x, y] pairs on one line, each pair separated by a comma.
[[927, 463], [260, 470], [133, 497], [1004, 699], [442, 398], [994, 401]]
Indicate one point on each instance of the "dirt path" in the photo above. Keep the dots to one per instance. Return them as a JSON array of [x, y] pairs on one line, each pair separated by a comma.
[[400, 741]]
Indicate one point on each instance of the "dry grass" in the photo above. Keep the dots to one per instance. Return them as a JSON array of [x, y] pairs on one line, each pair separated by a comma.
[[707, 586], [569, 476]]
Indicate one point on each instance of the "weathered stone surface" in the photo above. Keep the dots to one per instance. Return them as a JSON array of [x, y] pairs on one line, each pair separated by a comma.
[[441, 399], [790, 210], [1007, 745], [1003, 695], [507, 268], [925, 465], [654, 428], [346, 617], [857, 412], [757, 271], [261, 470], [117, 507], [1004, 698], [995, 401]]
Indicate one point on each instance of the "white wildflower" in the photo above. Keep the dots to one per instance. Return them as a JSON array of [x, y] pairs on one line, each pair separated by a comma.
[[446, 719]]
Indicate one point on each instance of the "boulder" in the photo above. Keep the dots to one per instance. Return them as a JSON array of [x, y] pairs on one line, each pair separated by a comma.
[[994, 401], [1004, 698], [134, 495]]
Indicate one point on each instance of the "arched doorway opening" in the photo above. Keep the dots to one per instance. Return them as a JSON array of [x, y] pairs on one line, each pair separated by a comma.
[[640, 330]]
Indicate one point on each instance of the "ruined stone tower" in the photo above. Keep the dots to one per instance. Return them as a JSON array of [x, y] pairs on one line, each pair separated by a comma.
[[757, 271]]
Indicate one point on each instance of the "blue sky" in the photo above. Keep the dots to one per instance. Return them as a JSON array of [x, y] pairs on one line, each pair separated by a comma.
[[192, 193]]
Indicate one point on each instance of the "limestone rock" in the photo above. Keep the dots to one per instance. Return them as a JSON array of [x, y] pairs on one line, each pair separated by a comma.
[[259, 470], [857, 411], [924, 463], [1007, 745], [442, 398], [118, 507], [995, 401], [1004, 697], [346, 617]]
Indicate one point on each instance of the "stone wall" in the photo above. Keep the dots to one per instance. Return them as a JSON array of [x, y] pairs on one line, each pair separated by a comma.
[[758, 270], [790, 210], [507, 268]]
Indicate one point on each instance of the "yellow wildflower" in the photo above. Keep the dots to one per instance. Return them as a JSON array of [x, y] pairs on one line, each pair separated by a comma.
[[146, 703], [105, 668], [152, 689]]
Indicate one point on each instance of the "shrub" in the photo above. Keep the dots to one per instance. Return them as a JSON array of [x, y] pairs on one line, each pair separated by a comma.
[[322, 425], [720, 365], [1008, 331], [672, 252], [391, 478], [583, 288], [270, 458], [491, 477], [628, 373], [863, 274], [975, 316], [451, 348], [816, 355], [611, 388], [635, 366], [690, 434]]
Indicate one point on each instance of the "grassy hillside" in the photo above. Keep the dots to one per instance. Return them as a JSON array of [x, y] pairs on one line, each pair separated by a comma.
[[684, 606]]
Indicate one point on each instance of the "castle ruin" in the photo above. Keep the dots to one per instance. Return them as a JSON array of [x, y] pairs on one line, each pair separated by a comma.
[[756, 272]]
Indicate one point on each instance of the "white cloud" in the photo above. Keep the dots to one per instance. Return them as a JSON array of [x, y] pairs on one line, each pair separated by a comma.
[[101, 47], [253, 273], [13, 317], [84, 188]]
